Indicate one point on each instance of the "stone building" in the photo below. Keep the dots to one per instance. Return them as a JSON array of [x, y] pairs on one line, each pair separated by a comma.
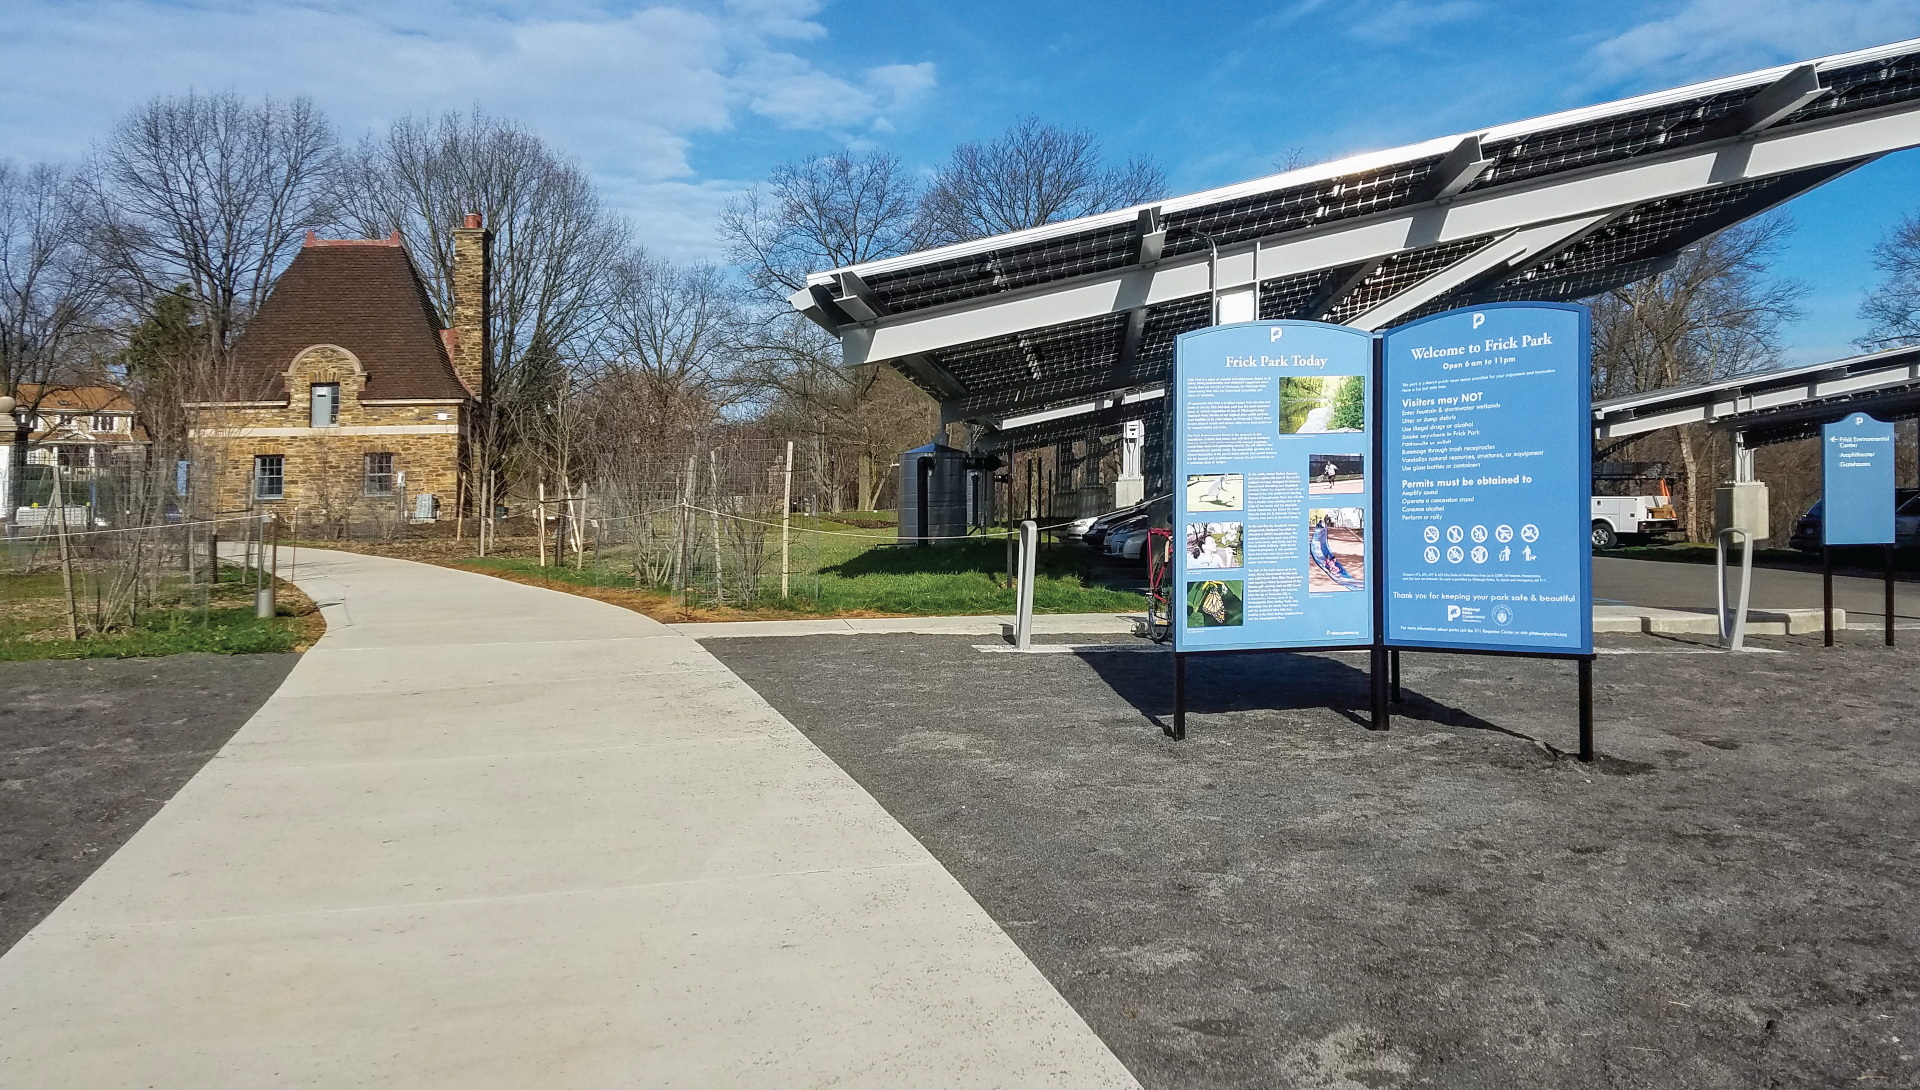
[[347, 401]]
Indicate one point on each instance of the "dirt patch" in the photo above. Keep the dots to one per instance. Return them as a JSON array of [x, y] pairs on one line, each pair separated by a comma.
[[90, 749], [1725, 899]]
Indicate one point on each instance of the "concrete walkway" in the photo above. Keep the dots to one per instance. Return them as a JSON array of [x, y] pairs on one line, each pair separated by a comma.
[[488, 835]]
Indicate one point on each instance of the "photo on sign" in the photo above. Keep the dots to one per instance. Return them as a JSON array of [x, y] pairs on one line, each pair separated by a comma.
[[1216, 603], [1213, 545], [1336, 474], [1323, 404], [1215, 491], [1337, 545]]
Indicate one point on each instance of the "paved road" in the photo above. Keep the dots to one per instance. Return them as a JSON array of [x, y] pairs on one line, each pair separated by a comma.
[[488, 835], [1682, 586]]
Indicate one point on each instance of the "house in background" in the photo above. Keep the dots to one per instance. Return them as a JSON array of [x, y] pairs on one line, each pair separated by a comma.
[[347, 401], [90, 431]]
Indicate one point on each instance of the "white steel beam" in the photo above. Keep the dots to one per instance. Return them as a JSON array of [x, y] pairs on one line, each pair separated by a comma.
[[1717, 404], [1504, 252], [1097, 403], [1595, 192]]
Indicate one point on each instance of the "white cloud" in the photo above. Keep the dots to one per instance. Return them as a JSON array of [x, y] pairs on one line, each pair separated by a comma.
[[790, 92], [1702, 39], [628, 91], [1403, 19]]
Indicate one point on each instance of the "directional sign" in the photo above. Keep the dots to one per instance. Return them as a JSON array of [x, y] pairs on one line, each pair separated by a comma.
[[1856, 475], [1486, 543], [1273, 487]]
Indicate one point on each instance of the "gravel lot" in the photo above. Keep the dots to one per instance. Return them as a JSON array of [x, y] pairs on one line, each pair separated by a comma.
[[1726, 899], [92, 748]]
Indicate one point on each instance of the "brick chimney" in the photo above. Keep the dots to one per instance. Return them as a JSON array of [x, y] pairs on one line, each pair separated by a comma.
[[472, 348]]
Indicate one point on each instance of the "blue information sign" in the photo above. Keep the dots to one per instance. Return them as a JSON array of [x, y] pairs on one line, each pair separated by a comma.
[[1856, 476], [1487, 464], [1273, 490]]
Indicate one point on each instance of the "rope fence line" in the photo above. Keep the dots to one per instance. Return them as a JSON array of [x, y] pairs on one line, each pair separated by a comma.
[[596, 520], [53, 531]]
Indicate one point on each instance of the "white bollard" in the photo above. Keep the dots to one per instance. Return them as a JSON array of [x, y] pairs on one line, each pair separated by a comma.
[[1023, 609]]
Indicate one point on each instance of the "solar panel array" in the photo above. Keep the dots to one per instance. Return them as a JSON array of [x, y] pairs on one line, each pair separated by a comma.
[[1069, 363], [1607, 140]]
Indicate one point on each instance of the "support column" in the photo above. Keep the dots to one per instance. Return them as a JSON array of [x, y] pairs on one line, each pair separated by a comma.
[[1131, 487]]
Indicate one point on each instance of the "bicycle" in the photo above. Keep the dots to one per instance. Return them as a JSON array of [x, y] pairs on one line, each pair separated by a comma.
[[1159, 566]]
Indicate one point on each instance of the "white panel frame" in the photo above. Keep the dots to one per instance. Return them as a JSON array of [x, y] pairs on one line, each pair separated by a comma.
[[1597, 192]]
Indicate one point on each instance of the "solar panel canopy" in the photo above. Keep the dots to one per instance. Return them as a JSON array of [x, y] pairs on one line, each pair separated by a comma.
[[1071, 324]]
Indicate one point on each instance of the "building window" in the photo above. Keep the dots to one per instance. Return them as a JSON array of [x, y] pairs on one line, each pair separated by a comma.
[[326, 404], [380, 474], [105, 422], [269, 476]]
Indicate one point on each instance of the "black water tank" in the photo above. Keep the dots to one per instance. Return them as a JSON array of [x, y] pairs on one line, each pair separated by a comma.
[[933, 494]]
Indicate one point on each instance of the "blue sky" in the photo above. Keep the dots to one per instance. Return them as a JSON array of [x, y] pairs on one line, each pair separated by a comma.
[[675, 105]]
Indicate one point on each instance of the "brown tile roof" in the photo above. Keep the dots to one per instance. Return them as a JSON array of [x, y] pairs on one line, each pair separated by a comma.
[[364, 296]]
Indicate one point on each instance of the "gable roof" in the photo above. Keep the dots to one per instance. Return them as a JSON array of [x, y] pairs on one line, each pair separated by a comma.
[[365, 297]]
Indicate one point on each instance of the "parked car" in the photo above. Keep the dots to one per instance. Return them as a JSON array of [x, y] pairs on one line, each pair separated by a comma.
[[1078, 527], [1125, 532], [1095, 536], [1906, 523]]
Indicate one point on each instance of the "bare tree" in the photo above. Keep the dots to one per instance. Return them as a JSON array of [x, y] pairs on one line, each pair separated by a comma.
[[1714, 314], [822, 212], [1894, 306], [554, 241], [554, 247], [213, 192], [665, 349], [1032, 175], [50, 300], [819, 213]]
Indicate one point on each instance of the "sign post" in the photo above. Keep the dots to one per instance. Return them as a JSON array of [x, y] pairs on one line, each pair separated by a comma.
[[1487, 474], [1426, 490], [1856, 478], [1273, 491]]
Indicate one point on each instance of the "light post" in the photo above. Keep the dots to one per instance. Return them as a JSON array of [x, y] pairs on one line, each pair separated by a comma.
[[15, 460]]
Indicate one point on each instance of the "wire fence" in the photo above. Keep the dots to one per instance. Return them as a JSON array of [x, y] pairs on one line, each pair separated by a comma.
[[109, 541], [724, 519]]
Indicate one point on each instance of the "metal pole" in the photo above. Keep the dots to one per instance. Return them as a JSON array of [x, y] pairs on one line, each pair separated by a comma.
[[1179, 731], [1826, 591], [66, 553], [1023, 607], [263, 585], [786, 521], [1393, 665], [213, 556], [1377, 688], [1586, 710], [540, 520], [1889, 595]]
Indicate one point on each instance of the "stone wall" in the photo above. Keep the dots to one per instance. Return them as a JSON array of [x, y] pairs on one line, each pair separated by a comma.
[[325, 468], [469, 347]]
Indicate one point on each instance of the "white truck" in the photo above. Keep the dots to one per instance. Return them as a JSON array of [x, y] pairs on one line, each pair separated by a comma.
[[1623, 509], [1620, 517]]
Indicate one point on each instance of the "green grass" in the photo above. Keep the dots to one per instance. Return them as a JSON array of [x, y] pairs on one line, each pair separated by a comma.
[[167, 632], [35, 607], [948, 580]]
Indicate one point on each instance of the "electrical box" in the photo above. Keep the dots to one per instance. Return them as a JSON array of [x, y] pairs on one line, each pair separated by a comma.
[[1741, 505]]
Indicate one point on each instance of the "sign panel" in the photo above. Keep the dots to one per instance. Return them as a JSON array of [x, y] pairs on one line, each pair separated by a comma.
[[1856, 475], [1487, 471], [1273, 487]]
